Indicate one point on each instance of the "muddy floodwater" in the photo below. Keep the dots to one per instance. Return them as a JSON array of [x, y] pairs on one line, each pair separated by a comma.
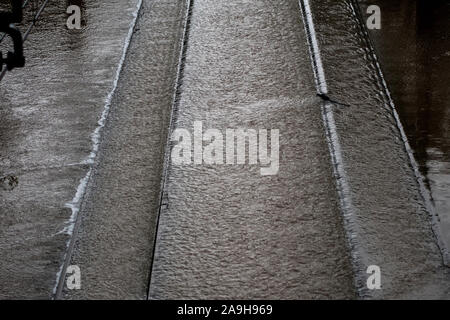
[[413, 47]]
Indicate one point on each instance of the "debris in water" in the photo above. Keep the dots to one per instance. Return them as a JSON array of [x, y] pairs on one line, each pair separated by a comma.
[[9, 182]]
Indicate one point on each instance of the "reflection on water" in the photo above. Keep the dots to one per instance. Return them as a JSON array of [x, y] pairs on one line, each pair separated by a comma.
[[414, 48]]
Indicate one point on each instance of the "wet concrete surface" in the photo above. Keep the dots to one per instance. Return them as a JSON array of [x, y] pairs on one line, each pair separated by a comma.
[[48, 111], [413, 46]]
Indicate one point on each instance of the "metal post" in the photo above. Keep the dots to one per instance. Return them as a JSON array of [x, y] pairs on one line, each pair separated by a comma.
[[16, 58]]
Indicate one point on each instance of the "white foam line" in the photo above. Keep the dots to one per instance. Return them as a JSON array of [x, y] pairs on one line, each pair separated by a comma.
[[75, 204], [426, 196], [314, 49], [351, 227]]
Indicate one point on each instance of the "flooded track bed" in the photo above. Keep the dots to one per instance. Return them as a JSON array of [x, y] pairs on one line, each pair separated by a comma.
[[394, 224], [339, 193], [225, 231], [413, 46]]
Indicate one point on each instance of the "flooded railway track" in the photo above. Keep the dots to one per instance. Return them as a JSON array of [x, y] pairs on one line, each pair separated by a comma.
[[167, 155], [194, 226], [346, 194], [77, 201], [359, 257], [179, 245]]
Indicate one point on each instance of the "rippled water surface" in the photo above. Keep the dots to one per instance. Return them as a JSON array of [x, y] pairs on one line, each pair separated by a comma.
[[414, 49], [48, 111], [225, 231]]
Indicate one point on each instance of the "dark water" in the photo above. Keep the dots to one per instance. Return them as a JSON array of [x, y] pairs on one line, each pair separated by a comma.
[[414, 49], [390, 227]]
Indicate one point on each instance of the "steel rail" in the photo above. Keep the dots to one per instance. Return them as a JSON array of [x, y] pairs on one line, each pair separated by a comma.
[[352, 229]]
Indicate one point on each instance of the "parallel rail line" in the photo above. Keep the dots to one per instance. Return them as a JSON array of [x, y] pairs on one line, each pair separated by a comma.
[[358, 255]]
